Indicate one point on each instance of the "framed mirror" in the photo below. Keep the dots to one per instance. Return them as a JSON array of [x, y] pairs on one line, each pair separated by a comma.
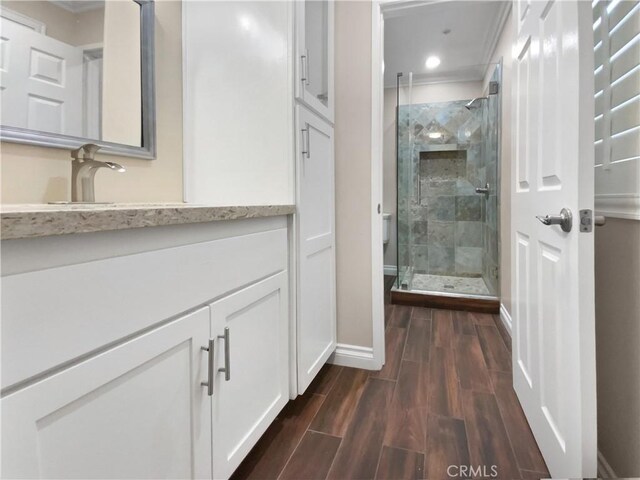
[[79, 71]]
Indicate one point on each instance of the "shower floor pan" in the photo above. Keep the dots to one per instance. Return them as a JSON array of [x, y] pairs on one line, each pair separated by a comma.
[[447, 284]]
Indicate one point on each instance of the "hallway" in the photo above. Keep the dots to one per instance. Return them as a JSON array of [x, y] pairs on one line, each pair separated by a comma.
[[443, 398]]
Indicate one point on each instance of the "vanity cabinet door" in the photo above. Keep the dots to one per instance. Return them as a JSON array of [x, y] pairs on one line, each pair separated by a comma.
[[316, 301], [314, 49], [252, 346], [134, 411]]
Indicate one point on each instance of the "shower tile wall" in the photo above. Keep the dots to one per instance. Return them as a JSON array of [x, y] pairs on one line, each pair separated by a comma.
[[449, 213], [441, 146]]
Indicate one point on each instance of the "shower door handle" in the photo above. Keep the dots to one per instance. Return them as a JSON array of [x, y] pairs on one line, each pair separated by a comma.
[[483, 190]]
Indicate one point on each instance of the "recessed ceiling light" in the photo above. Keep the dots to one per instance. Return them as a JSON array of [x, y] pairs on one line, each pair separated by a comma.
[[432, 62]]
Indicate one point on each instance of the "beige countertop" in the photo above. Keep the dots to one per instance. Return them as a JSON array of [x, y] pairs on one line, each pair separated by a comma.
[[25, 221]]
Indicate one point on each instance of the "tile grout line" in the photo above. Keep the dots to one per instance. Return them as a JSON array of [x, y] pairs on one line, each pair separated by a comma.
[[375, 474], [293, 452], [333, 460]]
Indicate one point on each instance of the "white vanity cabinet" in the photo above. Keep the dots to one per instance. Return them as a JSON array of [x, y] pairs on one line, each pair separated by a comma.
[[129, 328], [314, 55], [316, 301], [135, 411], [252, 368]]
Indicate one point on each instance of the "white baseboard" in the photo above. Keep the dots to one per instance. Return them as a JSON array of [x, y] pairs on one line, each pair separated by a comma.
[[604, 469], [353, 356], [391, 270], [506, 319]]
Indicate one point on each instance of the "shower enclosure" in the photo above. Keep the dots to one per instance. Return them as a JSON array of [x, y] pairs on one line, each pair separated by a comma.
[[448, 192]]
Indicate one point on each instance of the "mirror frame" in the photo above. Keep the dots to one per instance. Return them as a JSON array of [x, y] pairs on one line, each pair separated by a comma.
[[148, 96]]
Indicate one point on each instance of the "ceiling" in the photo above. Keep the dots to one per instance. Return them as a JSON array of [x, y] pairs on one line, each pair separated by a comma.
[[414, 31]]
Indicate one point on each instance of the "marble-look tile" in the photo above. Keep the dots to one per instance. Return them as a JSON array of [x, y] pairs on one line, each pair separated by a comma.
[[492, 210], [441, 208], [441, 260], [469, 234], [468, 260], [442, 165], [421, 258], [420, 232], [482, 175], [441, 233], [434, 188], [491, 173], [404, 255], [464, 187], [468, 208]]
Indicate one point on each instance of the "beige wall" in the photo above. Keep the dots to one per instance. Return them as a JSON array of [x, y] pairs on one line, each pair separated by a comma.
[[122, 76], [37, 175], [72, 28], [440, 92], [353, 171], [617, 268], [503, 52]]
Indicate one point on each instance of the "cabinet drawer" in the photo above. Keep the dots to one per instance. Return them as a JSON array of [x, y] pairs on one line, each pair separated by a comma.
[[53, 316]]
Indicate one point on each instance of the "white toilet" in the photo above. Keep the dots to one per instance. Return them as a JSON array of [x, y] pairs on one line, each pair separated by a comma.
[[386, 227]]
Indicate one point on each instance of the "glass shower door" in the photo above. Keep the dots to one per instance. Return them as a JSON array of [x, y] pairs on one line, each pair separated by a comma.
[[405, 180]]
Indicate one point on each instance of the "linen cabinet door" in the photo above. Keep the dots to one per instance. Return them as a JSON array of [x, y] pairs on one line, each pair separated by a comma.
[[314, 48], [137, 410], [316, 305], [252, 368]]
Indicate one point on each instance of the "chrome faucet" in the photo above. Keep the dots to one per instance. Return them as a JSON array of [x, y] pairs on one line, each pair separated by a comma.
[[83, 172]]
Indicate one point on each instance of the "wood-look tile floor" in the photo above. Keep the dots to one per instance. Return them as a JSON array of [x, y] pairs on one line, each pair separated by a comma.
[[444, 397]]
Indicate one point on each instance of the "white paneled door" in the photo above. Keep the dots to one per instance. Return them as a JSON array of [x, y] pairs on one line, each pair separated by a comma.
[[40, 81], [316, 322], [553, 277]]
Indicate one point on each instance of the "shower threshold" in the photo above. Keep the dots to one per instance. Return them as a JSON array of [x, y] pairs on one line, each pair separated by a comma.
[[448, 292]]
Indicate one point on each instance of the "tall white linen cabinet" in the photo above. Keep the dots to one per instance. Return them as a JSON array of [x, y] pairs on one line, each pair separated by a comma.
[[258, 129]]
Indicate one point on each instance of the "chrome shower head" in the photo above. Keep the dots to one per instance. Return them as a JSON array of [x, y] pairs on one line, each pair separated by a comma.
[[475, 103]]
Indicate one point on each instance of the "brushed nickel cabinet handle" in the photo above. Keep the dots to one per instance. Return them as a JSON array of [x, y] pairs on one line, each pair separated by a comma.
[[209, 382], [305, 67], [306, 147], [304, 59], [227, 355]]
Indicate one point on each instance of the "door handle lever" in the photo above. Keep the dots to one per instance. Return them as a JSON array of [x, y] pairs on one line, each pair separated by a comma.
[[565, 219]]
